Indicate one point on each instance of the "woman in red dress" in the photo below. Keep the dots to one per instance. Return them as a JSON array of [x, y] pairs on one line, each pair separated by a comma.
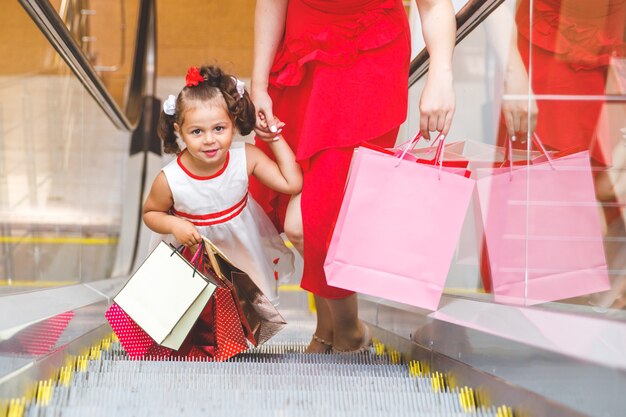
[[336, 73]]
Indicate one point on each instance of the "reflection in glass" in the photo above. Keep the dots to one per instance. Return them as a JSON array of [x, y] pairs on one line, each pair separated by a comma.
[[104, 30], [550, 72], [35, 339], [569, 48], [61, 167]]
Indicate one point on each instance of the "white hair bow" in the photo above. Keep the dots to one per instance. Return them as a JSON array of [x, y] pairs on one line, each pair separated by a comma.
[[169, 105], [239, 85]]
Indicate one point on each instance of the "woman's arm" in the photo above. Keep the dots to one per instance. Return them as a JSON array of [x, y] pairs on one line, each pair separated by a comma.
[[269, 26], [517, 107], [284, 175], [156, 214], [437, 102]]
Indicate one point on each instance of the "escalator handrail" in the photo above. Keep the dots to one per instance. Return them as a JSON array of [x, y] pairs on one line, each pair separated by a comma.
[[470, 16], [52, 26]]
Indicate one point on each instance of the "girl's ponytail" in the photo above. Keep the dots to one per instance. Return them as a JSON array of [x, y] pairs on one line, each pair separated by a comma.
[[244, 114], [167, 134], [240, 107]]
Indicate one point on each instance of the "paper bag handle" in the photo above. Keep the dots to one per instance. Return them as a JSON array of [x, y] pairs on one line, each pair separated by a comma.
[[508, 150], [194, 259], [441, 138], [542, 148], [410, 145]]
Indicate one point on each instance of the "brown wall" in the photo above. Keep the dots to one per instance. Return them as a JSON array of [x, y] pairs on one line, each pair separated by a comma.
[[22, 46], [188, 33], [196, 32]]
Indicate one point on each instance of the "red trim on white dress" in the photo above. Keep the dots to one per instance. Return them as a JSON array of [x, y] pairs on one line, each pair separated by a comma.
[[197, 177], [214, 218]]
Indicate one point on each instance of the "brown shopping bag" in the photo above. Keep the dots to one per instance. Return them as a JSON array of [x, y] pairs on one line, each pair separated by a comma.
[[260, 318]]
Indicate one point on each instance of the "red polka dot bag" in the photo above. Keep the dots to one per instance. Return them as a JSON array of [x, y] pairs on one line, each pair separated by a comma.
[[135, 341]]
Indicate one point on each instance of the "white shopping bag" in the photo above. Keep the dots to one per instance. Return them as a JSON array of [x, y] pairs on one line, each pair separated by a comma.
[[165, 296]]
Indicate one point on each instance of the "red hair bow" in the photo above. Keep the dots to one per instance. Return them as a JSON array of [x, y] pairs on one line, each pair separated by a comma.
[[193, 77]]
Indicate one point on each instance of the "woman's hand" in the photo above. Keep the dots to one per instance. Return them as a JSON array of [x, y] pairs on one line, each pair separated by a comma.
[[437, 103], [186, 233], [267, 126], [517, 111], [269, 26]]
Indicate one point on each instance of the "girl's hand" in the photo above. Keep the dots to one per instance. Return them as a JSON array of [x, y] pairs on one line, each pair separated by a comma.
[[266, 126], [186, 233], [437, 103]]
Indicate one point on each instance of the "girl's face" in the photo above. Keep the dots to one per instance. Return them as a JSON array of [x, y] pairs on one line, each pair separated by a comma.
[[208, 131]]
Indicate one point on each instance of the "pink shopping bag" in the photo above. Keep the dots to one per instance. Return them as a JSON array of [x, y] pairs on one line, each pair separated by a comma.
[[397, 228], [542, 230]]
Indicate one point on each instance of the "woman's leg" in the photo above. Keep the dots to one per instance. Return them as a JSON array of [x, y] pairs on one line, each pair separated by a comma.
[[323, 337], [324, 330], [324, 183], [348, 331], [347, 323]]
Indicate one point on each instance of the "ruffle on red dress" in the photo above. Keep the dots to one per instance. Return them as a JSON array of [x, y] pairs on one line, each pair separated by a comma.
[[585, 36], [340, 76], [337, 43]]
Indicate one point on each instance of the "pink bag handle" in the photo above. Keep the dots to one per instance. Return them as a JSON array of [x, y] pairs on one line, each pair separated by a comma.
[[439, 154], [508, 154], [508, 149], [196, 260], [542, 148], [410, 145], [441, 138]]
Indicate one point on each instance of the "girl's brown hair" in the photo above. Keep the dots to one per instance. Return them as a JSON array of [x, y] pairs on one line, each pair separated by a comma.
[[216, 84]]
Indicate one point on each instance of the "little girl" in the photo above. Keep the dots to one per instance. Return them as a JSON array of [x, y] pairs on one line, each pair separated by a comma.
[[204, 191]]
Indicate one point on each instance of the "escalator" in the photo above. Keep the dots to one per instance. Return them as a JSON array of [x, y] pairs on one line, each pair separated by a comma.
[[274, 379], [58, 357]]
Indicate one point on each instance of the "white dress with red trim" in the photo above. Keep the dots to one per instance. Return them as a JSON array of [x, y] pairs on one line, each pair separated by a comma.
[[226, 214]]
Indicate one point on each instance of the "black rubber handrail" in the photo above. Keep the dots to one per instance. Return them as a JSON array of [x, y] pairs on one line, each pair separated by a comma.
[[470, 16], [142, 75]]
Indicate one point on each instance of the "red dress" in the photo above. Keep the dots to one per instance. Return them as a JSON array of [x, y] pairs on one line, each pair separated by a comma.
[[340, 78], [572, 43]]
